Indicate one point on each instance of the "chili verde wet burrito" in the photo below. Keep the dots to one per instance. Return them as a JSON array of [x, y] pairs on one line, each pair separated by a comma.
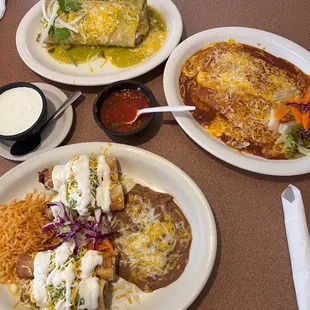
[[102, 22]]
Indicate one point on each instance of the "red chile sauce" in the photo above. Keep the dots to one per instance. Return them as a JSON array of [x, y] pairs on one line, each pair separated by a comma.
[[121, 107]]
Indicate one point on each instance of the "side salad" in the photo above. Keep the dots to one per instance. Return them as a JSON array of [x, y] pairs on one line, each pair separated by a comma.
[[292, 120]]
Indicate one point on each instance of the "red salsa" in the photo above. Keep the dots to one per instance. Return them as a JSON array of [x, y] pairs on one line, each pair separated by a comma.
[[121, 107]]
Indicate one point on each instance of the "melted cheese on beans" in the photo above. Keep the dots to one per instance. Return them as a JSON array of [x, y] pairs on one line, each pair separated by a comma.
[[148, 250]]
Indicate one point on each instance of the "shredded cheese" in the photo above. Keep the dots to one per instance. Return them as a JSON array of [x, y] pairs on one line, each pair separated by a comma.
[[148, 250]]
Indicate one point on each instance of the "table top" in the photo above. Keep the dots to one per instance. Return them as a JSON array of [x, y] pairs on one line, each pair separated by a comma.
[[252, 268]]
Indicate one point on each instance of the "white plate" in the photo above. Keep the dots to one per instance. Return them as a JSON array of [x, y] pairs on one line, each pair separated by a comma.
[[157, 173], [275, 45], [37, 58], [54, 133]]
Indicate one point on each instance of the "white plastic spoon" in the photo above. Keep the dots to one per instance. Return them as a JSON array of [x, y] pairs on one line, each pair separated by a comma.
[[160, 109]]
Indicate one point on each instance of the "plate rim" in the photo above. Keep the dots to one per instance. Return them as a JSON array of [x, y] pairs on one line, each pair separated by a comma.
[[131, 72], [34, 161], [212, 145], [66, 129]]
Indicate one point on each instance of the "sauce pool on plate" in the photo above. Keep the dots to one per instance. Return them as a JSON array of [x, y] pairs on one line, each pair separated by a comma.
[[121, 107], [20, 108]]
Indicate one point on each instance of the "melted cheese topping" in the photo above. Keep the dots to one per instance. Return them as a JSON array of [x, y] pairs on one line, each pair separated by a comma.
[[148, 250]]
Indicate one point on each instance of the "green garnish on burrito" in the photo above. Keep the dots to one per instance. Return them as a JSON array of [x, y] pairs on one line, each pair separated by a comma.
[[101, 23]]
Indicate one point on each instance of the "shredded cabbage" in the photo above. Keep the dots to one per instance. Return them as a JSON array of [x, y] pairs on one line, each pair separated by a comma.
[[287, 127], [303, 150], [292, 145]]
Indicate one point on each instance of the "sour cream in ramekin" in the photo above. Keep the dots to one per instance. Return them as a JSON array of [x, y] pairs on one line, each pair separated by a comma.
[[20, 109]]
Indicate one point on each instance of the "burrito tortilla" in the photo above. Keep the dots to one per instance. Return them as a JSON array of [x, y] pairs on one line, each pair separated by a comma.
[[102, 23]]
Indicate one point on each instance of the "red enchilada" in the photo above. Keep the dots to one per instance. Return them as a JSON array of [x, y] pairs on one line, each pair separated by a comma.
[[248, 99]]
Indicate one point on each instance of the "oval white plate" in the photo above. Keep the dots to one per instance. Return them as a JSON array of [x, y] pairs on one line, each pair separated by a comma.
[[275, 45], [55, 133], [37, 58], [159, 174]]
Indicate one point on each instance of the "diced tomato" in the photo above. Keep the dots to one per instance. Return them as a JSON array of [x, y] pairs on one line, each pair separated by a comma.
[[103, 245]]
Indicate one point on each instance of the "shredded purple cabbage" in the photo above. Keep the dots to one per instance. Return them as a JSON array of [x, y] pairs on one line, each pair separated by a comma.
[[60, 221], [305, 134], [62, 207], [303, 108], [91, 229]]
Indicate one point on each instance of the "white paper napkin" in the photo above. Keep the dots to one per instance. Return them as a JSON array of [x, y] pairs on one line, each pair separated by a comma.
[[299, 243], [2, 8]]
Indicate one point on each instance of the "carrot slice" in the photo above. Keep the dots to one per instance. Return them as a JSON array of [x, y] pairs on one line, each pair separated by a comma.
[[306, 120], [105, 245], [306, 115], [297, 114], [293, 99], [281, 111], [307, 96], [285, 120], [89, 246], [295, 110]]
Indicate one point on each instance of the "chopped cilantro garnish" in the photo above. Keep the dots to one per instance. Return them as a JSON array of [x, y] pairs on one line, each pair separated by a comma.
[[61, 33], [69, 5]]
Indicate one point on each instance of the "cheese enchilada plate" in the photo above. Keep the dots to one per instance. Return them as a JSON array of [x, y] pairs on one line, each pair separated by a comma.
[[251, 92], [152, 232], [98, 42]]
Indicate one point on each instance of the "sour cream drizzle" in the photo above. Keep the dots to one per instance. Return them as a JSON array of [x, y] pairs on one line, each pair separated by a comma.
[[103, 190], [83, 197], [41, 265], [69, 276], [89, 285], [59, 176], [61, 305], [81, 171], [62, 254], [89, 291]]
